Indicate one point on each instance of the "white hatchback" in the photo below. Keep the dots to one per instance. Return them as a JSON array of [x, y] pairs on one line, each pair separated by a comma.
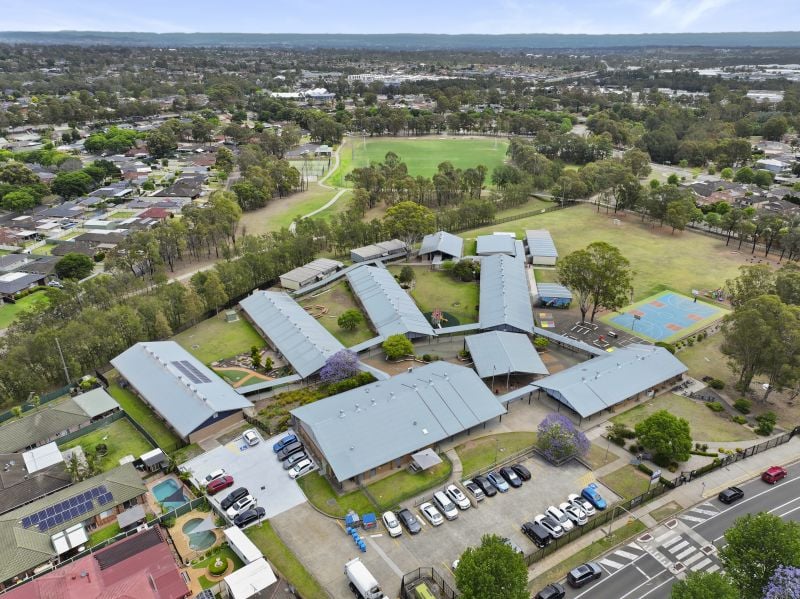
[[458, 497], [392, 525]]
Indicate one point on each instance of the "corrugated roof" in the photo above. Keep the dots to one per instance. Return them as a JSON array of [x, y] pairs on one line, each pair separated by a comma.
[[444, 242], [496, 244], [309, 271], [376, 250], [96, 402], [505, 300], [602, 382], [540, 243], [43, 423], [499, 352], [296, 334], [553, 290], [391, 310], [153, 370], [377, 423]]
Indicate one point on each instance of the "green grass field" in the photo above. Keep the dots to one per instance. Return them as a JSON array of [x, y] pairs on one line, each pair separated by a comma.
[[435, 289], [320, 493], [627, 482], [121, 438], [10, 312], [421, 154], [215, 339], [136, 409], [483, 452], [683, 261], [337, 299]]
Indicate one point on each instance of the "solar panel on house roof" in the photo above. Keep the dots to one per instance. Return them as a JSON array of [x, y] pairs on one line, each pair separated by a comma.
[[191, 372], [66, 510]]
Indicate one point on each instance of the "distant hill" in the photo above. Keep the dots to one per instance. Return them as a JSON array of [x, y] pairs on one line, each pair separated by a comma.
[[407, 41]]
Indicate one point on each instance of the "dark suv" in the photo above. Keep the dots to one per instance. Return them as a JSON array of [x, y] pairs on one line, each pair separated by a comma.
[[551, 591], [488, 488], [233, 497], [730, 495], [537, 534], [583, 574], [289, 450]]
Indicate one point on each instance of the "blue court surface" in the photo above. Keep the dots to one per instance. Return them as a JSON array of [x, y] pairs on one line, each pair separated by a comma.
[[665, 316]]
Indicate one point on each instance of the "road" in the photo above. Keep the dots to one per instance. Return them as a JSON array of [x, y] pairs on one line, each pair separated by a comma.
[[648, 566]]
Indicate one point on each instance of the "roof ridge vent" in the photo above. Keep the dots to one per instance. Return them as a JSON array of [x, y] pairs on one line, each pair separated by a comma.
[[341, 413]]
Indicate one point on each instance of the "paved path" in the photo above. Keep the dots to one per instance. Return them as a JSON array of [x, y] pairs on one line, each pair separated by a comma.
[[321, 183]]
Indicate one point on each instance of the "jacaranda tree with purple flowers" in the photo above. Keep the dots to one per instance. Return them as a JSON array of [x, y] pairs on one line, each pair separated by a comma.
[[559, 440], [341, 365], [784, 584]]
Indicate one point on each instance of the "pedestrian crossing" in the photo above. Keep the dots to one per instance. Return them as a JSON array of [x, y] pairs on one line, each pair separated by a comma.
[[699, 513], [683, 552], [622, 557]]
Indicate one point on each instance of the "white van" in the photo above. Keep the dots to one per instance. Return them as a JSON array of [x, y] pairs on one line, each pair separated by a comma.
[[446, 506]]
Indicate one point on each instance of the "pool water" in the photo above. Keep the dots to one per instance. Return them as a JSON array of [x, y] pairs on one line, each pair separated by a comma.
[[169, 493], [198, 540]]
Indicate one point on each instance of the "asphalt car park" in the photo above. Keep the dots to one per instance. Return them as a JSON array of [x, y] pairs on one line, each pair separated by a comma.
[[254, 467]]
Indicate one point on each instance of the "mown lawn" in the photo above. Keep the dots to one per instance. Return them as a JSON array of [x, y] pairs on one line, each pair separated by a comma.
[[215, 339], [121, 438], [138, 410], [599, 456], [627, 482], [105, 533], [402, 485], [10, 312], [482, 453], [436, 289], [337, 299], [321, 494], [279, 555], [224, 553]]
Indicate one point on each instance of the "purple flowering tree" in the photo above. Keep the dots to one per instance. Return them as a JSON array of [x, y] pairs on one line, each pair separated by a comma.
[[559, 440], [784, 584], [341, 365]]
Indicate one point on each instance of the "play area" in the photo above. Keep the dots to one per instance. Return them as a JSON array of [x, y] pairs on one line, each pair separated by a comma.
[[666, 316]]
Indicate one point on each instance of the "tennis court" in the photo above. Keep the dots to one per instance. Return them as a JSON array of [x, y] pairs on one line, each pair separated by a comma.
[[665, 316]]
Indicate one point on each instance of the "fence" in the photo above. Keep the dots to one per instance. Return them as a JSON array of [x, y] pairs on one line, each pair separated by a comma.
[[508, 219], [427, 576], [91, 427], [43, 399]]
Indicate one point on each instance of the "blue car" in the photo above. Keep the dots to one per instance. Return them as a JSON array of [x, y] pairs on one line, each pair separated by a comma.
[[290, 438], [592, 496], [498, 481]]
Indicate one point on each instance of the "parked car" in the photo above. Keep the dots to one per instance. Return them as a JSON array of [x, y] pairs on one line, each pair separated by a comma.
[[457, 496], [251, 437], [212, 475], [218, 484], [536, 533], [730, 495], [560, 517], [284, 441], [293, 459], [392, 524], [55, 284], [552, 527], [521, 471], [582, 503], [409, 520], [445, 506], [233, 497], [302, 467], [241, 505], [513, 545], [511, 477], [584, 573], [773, 475], [476, 491], [248, 516], [488, 488], [497, 481], [592, 496], [574, 513], [289, 450], [431, 514], [551, 591]]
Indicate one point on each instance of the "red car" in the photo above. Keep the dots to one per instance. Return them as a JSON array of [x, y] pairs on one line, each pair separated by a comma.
[[773, 475], [216, 485]]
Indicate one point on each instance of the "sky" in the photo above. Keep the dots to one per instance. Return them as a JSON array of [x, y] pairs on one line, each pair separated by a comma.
[[406, 16]]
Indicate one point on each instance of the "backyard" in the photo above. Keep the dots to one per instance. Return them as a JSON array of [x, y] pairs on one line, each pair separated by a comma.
[[10, 312], [216, 339], [438, 290], [485, 451], [120, 437], [138, 411], [338, 298]]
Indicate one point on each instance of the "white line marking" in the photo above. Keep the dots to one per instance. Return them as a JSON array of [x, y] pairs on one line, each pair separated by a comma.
[[625, 554], [691, 518], [789, 512], [685, 552], [642, 573], [743, 501], [700, 565], [671, 541], [388, 561], [610, 564], [706, 512], [634, 546], [712, 569], [674, 549], [651, 590], [665, 536], [690, 560]]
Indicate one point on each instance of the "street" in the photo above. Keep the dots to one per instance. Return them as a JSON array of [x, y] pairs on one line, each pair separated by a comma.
[[688, 542]]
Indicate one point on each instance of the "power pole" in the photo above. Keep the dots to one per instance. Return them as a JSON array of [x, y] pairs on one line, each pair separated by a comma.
[[63, 363]]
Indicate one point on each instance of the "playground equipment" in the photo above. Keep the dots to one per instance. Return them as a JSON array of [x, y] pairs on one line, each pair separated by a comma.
[[437, 318]]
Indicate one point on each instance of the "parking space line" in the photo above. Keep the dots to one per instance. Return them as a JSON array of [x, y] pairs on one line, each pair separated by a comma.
[[386, 558]]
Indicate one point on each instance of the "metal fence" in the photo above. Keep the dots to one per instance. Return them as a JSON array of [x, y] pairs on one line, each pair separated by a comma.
[[92, 426], [429, 577]]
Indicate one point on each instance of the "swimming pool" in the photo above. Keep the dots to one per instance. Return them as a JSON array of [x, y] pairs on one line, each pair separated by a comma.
[[198, 540], [169, 493]]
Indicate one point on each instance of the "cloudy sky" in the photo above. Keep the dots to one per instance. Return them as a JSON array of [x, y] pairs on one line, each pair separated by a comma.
[[407, 16]]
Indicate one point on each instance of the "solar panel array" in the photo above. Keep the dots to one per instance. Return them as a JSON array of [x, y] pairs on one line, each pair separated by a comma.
[[68, 509], [191, 372]]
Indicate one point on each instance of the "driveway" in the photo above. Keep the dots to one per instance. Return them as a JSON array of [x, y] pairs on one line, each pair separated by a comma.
[[255, 468]]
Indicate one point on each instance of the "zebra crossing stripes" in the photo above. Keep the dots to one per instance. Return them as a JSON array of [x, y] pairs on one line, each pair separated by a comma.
[[675, 548], [675, 537], [688, 518], [611, 564], [700, 565], [690, 560], [713, 568], [699, 514], [621, 557], [685, 553], [625, 554]]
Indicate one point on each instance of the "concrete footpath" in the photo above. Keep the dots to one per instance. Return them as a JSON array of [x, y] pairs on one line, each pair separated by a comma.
[[686, 496]]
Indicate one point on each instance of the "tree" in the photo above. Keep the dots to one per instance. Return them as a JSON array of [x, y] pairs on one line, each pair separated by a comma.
[[407, 274], [787, 284], [673, 179], [397, 346], [757, 545], [17, 201], [559, 440], [753, 281], [762, 178], [162, 142], [341, 365], [681, 212], [744, 175], [350, 319], [599, 275], [71, 185], [784, 583], [213, 291], [492, 571], [726, 173], [410, 221], [638, 161], [704, 585], [74, 266], [667, 436], [775, 128], [255, 357]]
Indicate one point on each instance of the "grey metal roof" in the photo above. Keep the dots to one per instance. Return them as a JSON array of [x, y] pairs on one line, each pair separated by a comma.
[[443, 242], [18, 282], [602, 382], [389, 307], [569, 342], [496, 244], [505, 300], [553, 290], [366, 427], [499, 352], [540, 243], [312, 270], [295, 333], [370, 252], [151, 370], [96, 402], [39, 425]]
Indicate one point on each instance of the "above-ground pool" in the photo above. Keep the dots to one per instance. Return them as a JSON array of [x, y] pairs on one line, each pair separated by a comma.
[[169, 493], [198, 540]]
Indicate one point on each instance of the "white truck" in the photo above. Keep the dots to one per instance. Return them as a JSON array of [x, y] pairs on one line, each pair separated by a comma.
[[362, 583]]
